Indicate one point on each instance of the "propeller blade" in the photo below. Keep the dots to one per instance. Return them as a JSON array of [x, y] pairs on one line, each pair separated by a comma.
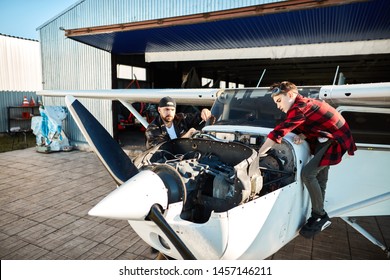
[[118, 164], [133, 199]]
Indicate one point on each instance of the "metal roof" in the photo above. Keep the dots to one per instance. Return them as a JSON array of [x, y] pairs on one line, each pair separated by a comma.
[[279, 24]]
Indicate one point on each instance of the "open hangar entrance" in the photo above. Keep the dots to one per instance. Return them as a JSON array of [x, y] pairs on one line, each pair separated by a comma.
[[301, 41], [234, 73]]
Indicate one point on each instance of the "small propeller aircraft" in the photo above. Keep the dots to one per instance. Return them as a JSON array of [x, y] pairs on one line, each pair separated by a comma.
[[212, 197]]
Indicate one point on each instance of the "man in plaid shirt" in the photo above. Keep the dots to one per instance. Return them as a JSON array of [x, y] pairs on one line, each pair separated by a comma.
[[328, 135]]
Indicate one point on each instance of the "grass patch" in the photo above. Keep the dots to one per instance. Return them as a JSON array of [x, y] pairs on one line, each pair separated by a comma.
[[16, 142]]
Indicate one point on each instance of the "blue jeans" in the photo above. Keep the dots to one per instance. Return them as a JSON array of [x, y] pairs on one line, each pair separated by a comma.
[[315, 178]]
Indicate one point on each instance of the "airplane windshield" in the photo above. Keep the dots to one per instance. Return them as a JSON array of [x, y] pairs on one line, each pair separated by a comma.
[[252, 107]]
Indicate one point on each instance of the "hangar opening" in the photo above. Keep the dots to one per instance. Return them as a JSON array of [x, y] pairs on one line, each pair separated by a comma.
[[300, 41]]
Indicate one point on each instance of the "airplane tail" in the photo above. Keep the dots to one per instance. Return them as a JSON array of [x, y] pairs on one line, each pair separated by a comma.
[[118, 164]]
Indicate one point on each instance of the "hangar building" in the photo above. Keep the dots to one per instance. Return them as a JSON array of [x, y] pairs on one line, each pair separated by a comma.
[[99, 44]]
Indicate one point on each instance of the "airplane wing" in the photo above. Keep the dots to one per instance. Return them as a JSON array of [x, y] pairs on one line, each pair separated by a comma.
[[375, 94], [356, 186], [196, 97]]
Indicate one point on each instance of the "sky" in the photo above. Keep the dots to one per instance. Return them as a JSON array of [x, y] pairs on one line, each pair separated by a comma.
[[20, 18]]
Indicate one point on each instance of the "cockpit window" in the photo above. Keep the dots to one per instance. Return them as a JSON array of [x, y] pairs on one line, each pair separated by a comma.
[[369, 127], [252, 107]]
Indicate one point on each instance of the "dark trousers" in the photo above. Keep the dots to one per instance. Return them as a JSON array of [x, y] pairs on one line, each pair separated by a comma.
[[315, 178]]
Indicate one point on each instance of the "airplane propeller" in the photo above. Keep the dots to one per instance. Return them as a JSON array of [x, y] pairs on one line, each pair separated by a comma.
[[141, 195], [118, 164]]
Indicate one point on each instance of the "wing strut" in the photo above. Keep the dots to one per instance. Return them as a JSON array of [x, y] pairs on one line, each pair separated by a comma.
[[366, 234], [134, 112]]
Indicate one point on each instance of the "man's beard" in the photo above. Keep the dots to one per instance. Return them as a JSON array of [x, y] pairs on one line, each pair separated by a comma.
[[168, 119]]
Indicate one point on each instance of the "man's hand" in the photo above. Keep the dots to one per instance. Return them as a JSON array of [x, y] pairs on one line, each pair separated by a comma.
[[189, 133], [205, 114], [298, 139]]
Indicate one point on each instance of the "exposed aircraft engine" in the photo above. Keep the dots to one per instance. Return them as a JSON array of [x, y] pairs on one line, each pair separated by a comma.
[[278, 168], [210, 175]]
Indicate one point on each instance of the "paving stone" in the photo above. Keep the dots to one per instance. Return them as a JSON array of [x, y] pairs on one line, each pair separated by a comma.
[[75, 247], [53, 256], [44, 214], [100, 233], [36, 232], [6, 218], [96, 252], [10, 244], [17, 226], [28, 252], [54, 240], [61, 220], [44, 204]]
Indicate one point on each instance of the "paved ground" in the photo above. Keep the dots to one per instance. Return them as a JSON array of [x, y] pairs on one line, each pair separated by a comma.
[[44, 200]]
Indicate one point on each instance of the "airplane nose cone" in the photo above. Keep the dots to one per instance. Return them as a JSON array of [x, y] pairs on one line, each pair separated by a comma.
[[133, 199]]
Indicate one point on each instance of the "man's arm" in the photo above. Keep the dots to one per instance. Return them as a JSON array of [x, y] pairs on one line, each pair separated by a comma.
[[266, 146], [196, 120], [154, 136]]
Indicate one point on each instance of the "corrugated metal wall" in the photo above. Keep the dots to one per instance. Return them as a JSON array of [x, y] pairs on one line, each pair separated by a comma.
[[102, 12], [20, 64], [121, 11], [12, 98], [71, 65], [20, 73]]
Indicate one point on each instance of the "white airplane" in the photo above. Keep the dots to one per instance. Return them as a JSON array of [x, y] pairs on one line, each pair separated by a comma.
[[211, 197]]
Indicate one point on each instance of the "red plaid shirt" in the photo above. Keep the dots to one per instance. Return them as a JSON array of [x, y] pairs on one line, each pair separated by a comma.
[[315, 118]]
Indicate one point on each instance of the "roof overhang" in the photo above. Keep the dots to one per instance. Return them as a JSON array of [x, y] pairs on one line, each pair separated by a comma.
[[278, 52], [278, 30], [278, 7]]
